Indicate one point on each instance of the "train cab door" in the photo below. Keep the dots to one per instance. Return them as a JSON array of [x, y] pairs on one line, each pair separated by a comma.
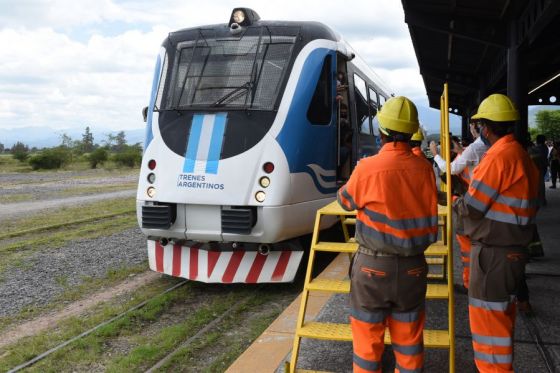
[[345, 144], [363, 113]]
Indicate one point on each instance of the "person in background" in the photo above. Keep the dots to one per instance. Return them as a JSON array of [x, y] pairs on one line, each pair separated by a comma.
[[542, 162], [395, 196], [498, 213], [416, 143], [554, 163]]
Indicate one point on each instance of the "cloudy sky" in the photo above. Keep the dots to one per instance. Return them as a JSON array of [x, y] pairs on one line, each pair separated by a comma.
[[72, 63]]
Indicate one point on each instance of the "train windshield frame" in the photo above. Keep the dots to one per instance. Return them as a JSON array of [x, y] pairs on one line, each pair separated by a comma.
[[232, 72]]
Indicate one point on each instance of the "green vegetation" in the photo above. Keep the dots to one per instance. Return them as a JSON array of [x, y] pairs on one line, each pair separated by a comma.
[[50, 159], [20, 151], [129, 156], [142, 338], [88, 349], [98, 156], [84, 152], [15, 250], [548, 124]]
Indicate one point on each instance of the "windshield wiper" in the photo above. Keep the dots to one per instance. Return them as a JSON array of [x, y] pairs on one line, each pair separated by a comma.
[[242, 89]]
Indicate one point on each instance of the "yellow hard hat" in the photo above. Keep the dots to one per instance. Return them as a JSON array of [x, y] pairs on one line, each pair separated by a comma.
[[418, 135], [398, 114], [497, 108]]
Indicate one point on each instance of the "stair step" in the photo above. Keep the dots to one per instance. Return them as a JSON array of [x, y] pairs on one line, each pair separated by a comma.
[[332, 286], [435, 261], [435, 291], [437, 249], [438, 276], [334, 208], [336, 247], [343, 332], [349, 221]]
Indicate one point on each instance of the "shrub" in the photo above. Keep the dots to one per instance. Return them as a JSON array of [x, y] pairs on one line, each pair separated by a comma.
[[98, 156], [129, 157], [20, 151], [49, 159]]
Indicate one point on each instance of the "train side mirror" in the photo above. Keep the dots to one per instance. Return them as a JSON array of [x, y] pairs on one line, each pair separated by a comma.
[[145, 113]]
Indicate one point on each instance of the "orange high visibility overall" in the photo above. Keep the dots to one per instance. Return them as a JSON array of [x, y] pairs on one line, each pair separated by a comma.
[[395, 195], [418, 152], [499, 210]]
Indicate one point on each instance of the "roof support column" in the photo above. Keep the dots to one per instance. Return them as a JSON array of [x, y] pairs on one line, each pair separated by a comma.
[[517, 83], [465, 133]]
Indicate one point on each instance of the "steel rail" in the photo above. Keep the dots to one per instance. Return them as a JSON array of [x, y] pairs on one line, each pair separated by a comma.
[[61, 225], [88, 332], [201, 332]]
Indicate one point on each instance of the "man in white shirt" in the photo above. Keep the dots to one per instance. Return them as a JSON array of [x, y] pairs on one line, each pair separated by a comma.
[[463, 164], [468, 157]]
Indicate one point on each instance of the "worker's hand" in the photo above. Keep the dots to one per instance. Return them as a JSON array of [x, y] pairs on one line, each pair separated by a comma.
[[433, 148]]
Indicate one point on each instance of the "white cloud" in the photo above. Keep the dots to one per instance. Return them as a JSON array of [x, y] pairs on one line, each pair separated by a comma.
[[73, 63]]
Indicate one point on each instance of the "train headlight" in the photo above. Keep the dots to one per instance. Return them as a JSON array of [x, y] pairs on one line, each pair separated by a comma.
[[151, 178], [151, 192], [260, 196], [264, 181], [238, 16]]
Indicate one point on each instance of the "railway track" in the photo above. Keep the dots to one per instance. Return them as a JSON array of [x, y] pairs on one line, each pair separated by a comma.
[[161, 363], [91, 330], [62, 225]]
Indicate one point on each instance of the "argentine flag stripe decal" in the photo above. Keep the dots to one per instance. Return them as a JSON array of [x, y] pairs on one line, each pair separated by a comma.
[[216, 143], [205, 143]]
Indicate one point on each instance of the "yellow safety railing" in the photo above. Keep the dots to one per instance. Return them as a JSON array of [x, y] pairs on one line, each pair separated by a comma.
[[446, 147]]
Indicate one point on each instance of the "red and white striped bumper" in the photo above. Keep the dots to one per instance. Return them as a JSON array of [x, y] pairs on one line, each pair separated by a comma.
[[223, 266]]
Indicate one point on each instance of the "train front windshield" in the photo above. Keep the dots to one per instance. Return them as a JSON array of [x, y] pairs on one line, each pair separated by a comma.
[[232, 72]]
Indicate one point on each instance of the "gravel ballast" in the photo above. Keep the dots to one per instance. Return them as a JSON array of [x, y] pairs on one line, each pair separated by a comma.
[[49, 273]]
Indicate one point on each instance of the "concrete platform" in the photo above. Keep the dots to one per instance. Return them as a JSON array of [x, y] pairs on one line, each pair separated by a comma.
[[537, 339]]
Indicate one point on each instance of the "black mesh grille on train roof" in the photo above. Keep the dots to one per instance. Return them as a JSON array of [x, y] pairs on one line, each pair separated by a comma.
[[160, 216], [238, 220]]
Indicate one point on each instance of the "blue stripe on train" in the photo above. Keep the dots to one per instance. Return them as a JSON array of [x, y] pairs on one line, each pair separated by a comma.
[[216, 143], [192, 146], [208, 157]]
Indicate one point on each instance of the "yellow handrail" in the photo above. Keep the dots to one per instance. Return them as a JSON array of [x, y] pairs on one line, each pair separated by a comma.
[[446, 148]]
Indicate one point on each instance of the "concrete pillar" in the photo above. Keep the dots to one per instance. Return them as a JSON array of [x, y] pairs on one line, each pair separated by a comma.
[[465, 133], [517, 84]]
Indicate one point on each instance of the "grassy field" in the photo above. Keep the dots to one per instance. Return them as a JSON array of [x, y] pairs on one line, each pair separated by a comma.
[[9, 164], [78, 190], [15, 250]]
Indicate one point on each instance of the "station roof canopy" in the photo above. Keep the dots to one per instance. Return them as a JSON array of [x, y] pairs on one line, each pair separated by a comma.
[[466, 43]]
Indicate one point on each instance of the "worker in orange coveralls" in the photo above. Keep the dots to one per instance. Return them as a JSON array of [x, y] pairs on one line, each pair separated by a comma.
[[498, 213], [416, 143], [395, 196]]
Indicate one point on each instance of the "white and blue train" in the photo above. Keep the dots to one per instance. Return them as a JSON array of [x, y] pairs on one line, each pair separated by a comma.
[[252, 126]]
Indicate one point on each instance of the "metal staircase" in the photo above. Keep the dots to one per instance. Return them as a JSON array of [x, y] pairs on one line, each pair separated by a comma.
[[441, 251]]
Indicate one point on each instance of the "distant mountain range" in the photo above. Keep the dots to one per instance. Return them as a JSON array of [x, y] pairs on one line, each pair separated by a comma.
[[42, 137]]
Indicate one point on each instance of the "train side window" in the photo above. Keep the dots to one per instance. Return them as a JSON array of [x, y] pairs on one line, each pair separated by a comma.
[[373, 109], [321, 105], [362, 110], [382, 100]]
